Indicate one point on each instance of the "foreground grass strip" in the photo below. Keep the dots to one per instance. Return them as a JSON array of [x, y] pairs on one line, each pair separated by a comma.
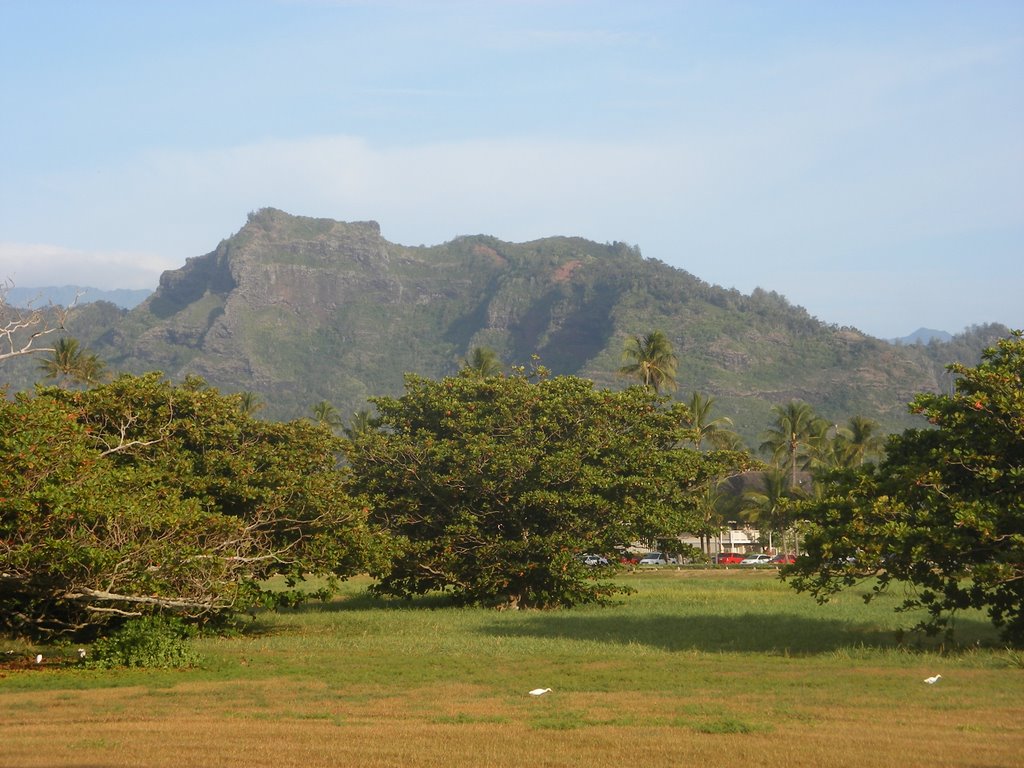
[[694, 666]]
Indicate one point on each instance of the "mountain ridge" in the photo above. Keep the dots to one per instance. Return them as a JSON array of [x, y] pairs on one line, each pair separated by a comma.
[[65, 295], [128, 298], [300, 309], [924, 336]]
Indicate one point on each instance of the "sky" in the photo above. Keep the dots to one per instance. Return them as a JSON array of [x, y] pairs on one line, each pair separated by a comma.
[[863, 159]]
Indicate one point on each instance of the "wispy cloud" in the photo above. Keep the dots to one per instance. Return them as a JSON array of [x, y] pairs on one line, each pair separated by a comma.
[[792, 148], [577, 36], [40, 264], [736, 209]]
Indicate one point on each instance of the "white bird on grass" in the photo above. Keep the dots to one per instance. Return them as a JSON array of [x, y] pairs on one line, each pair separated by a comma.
[[39, 658], [540, 691], [933, 680]]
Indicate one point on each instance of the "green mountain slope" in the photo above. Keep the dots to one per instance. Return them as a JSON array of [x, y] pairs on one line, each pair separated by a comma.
[[301, 310]]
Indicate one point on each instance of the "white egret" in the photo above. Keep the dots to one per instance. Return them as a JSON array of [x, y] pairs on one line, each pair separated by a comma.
[[540, 691], [933, 680], [39, 658]]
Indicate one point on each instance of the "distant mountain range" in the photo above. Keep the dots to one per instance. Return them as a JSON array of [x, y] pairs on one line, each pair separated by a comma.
[[65, 295], [924, 336], [299, 310]]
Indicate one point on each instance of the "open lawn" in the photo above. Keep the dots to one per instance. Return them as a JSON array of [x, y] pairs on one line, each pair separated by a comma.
[[696, 668]]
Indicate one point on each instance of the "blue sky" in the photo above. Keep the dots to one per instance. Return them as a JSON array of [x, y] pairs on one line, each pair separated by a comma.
[[864, 159]]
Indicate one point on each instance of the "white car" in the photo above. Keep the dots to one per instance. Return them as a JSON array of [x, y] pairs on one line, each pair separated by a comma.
[[758, 559], [653, 558]]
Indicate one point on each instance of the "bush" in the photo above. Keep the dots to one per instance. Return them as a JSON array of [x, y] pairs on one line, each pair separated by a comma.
[[151, 641]]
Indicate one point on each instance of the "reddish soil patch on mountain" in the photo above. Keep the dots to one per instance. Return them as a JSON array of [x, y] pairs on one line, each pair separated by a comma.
[[564, 272]]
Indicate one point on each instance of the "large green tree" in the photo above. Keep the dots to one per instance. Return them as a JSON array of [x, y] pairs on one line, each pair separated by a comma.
[[493, 486], [139, 496], [943, 511]]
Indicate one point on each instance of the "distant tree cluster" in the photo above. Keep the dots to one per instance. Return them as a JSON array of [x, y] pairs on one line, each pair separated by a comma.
[[134, 496]]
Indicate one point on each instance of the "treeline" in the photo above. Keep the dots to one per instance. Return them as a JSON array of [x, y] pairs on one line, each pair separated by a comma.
[[133, 496]]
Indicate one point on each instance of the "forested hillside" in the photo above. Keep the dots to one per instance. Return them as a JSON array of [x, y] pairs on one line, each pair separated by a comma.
[[300, 310]]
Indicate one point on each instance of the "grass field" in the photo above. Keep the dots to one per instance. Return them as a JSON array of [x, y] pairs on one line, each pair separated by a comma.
[[696, 668]]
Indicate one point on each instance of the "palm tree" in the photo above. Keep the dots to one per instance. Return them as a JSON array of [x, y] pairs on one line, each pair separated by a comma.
[[249, 402], [860, 439], [482, 362], [651, 361], [790, 438], [727, 440], [767, 508], [91, 370], [70, 361], [711, 508], [847, 446], [361, 422], [325, 413], [824, 445], [706, 428]]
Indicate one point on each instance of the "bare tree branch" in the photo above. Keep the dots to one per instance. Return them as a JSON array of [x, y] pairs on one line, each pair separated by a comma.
[[21, 328], [84, 594]]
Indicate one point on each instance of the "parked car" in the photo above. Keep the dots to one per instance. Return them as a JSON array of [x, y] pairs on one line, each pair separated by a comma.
[[783, 560], [759, 558], [729, 558], [654, 558], [594, 560]]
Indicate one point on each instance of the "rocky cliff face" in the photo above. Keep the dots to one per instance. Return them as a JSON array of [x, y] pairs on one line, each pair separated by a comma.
[[301, 310]]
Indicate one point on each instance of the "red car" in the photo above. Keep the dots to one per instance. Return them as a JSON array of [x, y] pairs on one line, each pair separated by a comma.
[[729, 558], [783, 560]]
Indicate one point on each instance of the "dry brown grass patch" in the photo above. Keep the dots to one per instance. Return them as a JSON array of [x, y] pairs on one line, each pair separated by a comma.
[[281, 724]]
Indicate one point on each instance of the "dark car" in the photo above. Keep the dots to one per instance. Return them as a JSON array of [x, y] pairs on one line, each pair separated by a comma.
[[729, 558]]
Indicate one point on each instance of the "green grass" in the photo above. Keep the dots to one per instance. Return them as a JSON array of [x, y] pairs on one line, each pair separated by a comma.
[[692, 663]]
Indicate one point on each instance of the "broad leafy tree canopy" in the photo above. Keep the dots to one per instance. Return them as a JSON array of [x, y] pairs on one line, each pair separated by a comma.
[[493, 486], [141, 496], [944, 510]]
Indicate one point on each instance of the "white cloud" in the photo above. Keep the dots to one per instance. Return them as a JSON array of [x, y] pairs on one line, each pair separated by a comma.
[[37, 265], [735, 209], [182, 202]]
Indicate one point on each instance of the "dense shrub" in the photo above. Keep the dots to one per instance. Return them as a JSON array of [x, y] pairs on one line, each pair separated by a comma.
[[150, 641]]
